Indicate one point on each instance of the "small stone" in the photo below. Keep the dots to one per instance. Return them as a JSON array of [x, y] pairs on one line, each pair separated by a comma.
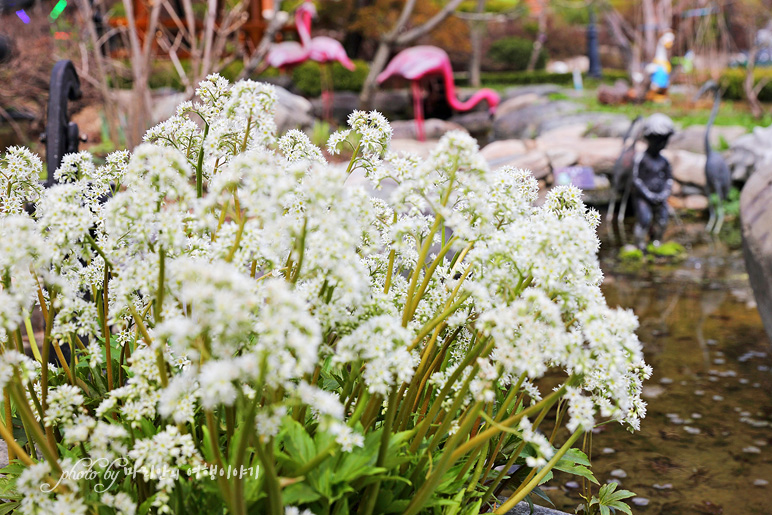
[[719, 361], [640, 501], [666, 486], [666, 380], [718, 398], [745, 414], [756, 385], [613, 480], [744, 380], [608, 450], [696, 415], [692, 430], [760, 482], [760, 443], [713, 379], [572, 485], [618, 473], [763, 368], [737, 409], [699, 392], [711, 342], [752, 449]]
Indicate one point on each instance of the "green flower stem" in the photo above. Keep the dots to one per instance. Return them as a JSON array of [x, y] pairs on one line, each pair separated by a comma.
[[215, 443], [301, 252], [159, 298], [32, 341], [417, 271], [387, 284], [44, 368], [430, 273], [200, 165], [353, 157], [372, 492], [504, 471], [425, 424], [14, 450], [429, 326], [105, 313], [486, 435], [446, 461], [408, 401], [533, 483], [237, 243], [271, 482], [28, 419], [91, 241], [9, 423]]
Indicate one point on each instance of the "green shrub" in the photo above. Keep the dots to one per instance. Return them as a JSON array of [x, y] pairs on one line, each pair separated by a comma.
[[732, 81], [514, 53], [307, 77]]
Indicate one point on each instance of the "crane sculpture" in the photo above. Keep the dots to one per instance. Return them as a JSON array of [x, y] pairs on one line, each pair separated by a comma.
[[422, 61], [717, 175]]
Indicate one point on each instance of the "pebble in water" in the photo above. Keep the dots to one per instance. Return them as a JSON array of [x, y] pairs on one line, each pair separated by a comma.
[[618, 473], [718, 398], [760, 482], [696, 415], [760, 443], [751, 449], [756, 385], [692, 430], [640, 501], [711, 342], [699, 392], [744, 380], [666, 486], [713, 379], [763, 368], [719, 361], [572, 485], [666, 380], [608, 450]]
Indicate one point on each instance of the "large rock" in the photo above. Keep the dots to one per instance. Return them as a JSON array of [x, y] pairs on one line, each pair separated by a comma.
[[527, 122], [598, 153], [693, 138], [750, 152], [292, 111], [756, 221], [433, 128], [412, 146], [476, 122], [515, 103], [688, 167], [561, 157], [503, 149], [614, 126], [589, 120], [541, 90]]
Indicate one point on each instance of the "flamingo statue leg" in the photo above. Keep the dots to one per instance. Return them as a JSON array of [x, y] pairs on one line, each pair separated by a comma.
[[326, 80], [418, 110]]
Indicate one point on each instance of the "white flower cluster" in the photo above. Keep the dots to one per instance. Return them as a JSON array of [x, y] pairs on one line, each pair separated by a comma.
[[243, 289]]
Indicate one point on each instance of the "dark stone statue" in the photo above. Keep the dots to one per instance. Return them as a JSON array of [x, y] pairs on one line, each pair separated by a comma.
[[652, 182]]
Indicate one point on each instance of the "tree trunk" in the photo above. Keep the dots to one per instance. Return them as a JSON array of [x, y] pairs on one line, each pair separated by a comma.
[[370, 86], [541, 38], [649, 29], [748, 85], [478, 28]]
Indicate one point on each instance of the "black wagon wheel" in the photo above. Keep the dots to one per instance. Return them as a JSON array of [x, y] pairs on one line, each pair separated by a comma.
[[61, 136]]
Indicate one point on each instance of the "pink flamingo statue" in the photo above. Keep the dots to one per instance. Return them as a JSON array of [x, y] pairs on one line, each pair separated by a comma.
[[287, 54], [418, 62], [323, 50]]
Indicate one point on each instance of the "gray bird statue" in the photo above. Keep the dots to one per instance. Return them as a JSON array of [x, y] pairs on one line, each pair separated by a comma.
[[717, 175]]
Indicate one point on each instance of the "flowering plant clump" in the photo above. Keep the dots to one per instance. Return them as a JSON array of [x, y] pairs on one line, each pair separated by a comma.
[[236, 329]]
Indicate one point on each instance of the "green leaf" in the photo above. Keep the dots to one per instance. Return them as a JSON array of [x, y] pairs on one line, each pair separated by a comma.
[[207, 443], [8, 507], [298, 443], [299, 493], [577, 470], [575, 455], [538, 491]]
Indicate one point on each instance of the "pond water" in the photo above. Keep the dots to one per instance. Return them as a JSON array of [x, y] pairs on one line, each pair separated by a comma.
[[705, 446]]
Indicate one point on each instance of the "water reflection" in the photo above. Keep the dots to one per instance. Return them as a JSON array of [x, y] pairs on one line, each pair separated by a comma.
[[704, 446]]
